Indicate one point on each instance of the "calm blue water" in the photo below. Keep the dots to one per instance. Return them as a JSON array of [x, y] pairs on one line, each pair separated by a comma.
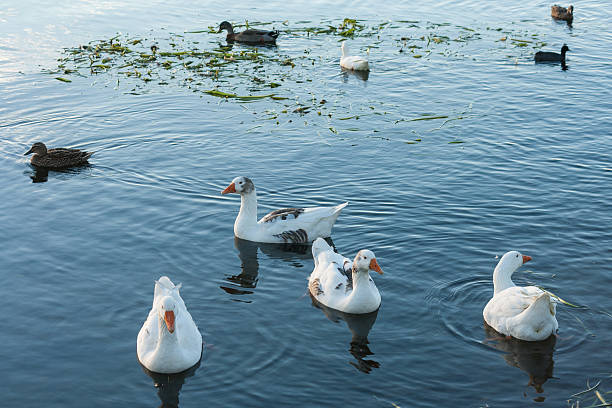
[[80, 252]]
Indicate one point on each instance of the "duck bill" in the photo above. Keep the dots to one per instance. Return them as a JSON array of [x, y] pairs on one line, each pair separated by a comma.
[[230, 189], [526, 258], [28, 152], [375, 267], [169, 319]]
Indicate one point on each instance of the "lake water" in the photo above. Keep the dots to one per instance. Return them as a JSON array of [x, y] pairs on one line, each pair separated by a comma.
[[508, 155]]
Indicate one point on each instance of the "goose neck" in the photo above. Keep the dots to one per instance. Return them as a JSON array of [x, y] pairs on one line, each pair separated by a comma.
[[502, 278]]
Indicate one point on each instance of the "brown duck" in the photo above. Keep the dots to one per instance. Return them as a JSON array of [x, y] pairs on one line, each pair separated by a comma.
[[562, 13], [250, 36], [59, 158]]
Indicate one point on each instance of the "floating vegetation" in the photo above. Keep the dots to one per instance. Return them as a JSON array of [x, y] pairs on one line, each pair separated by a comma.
[[294, 81], [592, 396]]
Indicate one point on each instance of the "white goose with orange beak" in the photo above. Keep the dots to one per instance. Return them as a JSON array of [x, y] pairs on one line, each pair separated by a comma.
[[169, 341], [287, 225], [524, 312], [340, 284]]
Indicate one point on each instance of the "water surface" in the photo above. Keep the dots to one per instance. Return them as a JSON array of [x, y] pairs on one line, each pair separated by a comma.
[[532, 172]]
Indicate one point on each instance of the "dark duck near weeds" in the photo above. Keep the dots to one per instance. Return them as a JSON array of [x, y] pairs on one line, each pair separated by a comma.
[[545, 56], [250, 36], [59, 158]]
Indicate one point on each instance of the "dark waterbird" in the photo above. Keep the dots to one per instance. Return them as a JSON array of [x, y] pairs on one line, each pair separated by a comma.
[[250, 36], [546, 56], [561, 13], [59, 158]]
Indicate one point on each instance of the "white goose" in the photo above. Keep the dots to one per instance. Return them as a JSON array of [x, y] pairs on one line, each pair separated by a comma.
[[343, 285], [169, 341], [296, 225], [524, 312], [354, 63]]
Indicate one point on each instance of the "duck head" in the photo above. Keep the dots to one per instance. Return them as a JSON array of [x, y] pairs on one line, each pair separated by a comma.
[[240, 185], [167, 312], [38, 148], [366, 260], [225, 25]]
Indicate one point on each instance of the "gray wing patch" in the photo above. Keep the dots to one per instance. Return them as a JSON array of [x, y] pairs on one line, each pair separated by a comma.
[[315, 287], [283, 213], [297, 237]]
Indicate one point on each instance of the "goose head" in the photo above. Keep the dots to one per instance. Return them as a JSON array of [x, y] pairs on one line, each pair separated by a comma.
[[38, 148], [511, 261], [240, 185], [167, 312], [366, 260], [506, 266], [226, 25]]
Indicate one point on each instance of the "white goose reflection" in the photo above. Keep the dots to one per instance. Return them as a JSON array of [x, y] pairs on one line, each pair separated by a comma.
[[244, 282], [169, 385], [533, 357], [360, 326]]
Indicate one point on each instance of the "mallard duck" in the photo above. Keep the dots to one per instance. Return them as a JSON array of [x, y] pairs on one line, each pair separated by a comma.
[[250, 36], [546, 56], [59, 158], [524, 312], [562, 13], [353, 63], [290, 225], [343, 285], [169, 341]]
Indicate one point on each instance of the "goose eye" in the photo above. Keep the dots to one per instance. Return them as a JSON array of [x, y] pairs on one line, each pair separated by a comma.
[[517, 255]]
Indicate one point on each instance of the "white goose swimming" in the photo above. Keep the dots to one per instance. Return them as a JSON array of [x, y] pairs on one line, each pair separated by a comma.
[[354, 63], [343, 285], [169, 341], [524, 312], [292, 225]]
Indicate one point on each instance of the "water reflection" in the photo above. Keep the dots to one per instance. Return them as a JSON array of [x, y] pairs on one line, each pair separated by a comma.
[[363, 75], [41, 174], [246, 280], [360, 326], [533, 357], [169, 385]]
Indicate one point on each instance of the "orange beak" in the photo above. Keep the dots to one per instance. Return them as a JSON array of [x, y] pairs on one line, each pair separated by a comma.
[[526, 258], [375, 267], [169, 318], [230, 189]]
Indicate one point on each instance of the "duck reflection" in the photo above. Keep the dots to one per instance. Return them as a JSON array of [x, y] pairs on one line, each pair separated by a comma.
[[363, 75], [360, 326], [246, 280], [41, 174], [169, 385], [533, 357]]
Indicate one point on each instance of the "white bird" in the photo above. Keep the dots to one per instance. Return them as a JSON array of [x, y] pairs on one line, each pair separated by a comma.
[[524, 312], [354, 63], [169, 341], [340, 284], [291, 225]]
